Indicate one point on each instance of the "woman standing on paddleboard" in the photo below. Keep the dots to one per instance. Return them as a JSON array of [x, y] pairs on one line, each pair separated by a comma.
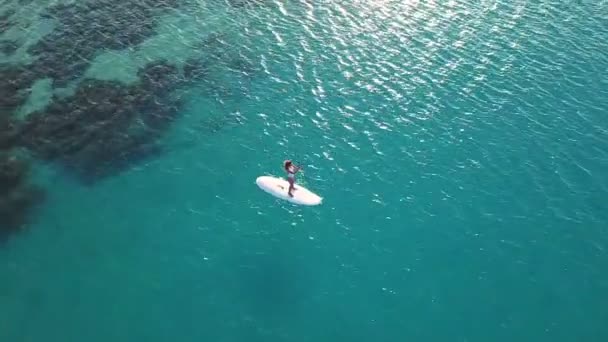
[[291, 175]]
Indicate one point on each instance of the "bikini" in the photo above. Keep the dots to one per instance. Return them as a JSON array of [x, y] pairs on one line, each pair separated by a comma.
[[290, 174]]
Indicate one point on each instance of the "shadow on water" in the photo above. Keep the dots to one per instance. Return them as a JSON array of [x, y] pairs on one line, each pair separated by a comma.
[[270, 283]]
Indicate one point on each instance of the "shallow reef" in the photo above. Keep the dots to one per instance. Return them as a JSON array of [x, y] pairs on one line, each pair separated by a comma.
[[5, 20], [195, 69], [8, 47], [105, 126], [8, 133], [17, 196], [15, 83], [86, 27]]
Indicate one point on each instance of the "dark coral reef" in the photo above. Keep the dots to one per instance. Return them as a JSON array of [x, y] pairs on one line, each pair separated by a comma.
[[86, 27], [101, 129], [105, 126], [8, 133], [15, 83], [17, 196], [195, 69], [8, 47], [5, 20]]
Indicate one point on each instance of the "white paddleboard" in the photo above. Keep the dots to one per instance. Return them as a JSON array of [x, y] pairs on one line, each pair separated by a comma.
[[278, 187]]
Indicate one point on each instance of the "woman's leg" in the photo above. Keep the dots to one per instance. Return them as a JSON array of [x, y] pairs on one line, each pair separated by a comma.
[[291, 187]]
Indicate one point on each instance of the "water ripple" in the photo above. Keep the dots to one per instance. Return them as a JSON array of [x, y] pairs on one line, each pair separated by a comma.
[[476, 130]]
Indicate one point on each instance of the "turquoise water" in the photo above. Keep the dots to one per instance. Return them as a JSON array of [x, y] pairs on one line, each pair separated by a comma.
[[461, 149]]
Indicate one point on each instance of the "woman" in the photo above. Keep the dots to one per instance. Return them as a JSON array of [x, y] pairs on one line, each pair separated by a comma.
[[291, 170]]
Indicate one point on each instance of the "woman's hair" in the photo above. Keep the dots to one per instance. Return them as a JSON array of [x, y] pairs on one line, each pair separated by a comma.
[[287, 164]]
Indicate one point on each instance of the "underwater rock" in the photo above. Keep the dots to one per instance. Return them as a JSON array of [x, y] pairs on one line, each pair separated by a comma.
[[16, 206], [8, 47], [105, 126], [195, 69], [12, 171], [5, 22], [157, 76], [15, 83], [17, 196], [8, 132], [158, 109]]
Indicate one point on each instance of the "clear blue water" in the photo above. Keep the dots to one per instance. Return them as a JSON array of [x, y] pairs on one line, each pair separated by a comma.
[[461, 148]]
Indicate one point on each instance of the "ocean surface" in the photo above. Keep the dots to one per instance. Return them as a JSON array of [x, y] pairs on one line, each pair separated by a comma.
[[461, 148]]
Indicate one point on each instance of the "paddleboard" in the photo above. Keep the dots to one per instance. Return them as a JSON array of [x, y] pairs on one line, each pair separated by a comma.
[[278, 187]]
